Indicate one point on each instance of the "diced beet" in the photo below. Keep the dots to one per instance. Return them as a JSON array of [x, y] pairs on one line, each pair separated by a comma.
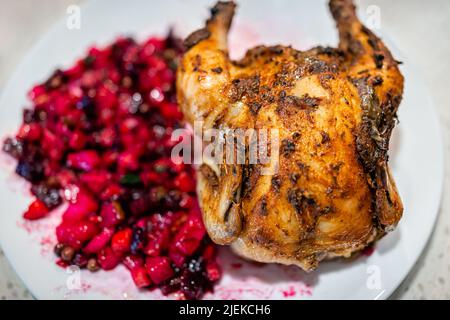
[[94, 218], [143, 223], [84, 231], [36, 210], [78, 140], [109, 158], [76, 234], [140, 277], [99, 241], [83, 160], [156, 63], [52, 145], [150, 178], [121, 241], [112, 214], [133, 261], [157, 241], [185, 182], [75, 71], [72, 118], [89, 80], [62, 104], [108, 259], [159, 269], [36, 92], [190, 236], [96, 181], [83, 205], [111, 192], [106, 98], [66, 178], [130, 124], [151, 46], [171, 111], [31, 132], [63, 233], [107, 137]]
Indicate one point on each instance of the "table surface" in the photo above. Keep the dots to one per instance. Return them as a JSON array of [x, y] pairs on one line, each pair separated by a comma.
[[419, 30]]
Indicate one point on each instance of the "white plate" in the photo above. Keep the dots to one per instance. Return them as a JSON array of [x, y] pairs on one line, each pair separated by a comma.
[[417, 159]]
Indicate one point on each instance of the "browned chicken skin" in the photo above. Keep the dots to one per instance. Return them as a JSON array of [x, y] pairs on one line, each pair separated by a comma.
[[335, 109]]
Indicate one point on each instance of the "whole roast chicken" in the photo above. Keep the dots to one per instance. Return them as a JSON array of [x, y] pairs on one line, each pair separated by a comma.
[[335, 108]]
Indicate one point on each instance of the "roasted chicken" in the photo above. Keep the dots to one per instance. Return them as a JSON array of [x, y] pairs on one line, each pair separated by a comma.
[[335, 108]]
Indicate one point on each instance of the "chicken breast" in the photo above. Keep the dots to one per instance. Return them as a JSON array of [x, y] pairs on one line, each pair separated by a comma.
[[332, 193]]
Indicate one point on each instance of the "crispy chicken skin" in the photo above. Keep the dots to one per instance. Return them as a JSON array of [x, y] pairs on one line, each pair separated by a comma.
[[335, 108]]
